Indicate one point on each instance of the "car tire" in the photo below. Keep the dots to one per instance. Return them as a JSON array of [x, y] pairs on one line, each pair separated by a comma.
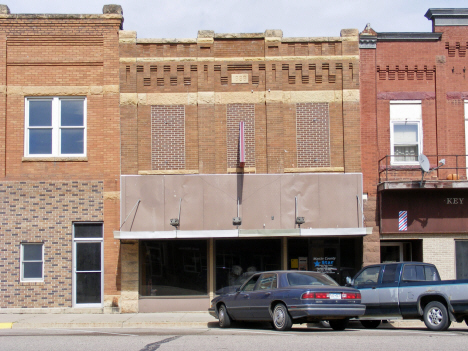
[[339, 324], [466, 320], [223, 317], [436, 316], [370, 324], [281, 319]]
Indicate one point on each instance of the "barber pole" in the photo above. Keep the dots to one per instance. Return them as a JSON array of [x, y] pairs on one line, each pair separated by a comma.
[[403, 221]]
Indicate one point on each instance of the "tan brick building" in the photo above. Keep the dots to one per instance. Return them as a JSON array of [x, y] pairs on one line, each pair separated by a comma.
[[59, 159], [414, 100], [240, 152]]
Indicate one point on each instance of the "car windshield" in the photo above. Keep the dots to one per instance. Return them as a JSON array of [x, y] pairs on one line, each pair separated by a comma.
[[309, 278]]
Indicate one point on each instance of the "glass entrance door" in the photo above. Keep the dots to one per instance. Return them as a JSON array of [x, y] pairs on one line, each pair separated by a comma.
[[87, 265]]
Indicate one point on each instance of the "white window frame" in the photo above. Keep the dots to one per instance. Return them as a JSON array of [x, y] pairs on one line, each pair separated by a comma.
[[466, 133], [56, 127], [22, 261], [412, 116]]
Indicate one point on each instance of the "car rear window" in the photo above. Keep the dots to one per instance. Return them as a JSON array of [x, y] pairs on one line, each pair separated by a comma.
[[307, 278]]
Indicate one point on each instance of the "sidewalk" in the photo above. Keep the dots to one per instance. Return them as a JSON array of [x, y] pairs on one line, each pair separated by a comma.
[[114, 320]]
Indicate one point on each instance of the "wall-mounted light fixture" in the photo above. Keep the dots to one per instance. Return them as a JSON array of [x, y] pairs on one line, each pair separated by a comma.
[[299, 220], [237, 220], [175, 222]]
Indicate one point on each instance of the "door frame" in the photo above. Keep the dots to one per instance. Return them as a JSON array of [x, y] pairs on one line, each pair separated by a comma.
[[87, 240]]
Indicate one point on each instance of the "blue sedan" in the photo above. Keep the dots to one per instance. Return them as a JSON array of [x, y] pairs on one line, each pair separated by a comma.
[[287, 297]]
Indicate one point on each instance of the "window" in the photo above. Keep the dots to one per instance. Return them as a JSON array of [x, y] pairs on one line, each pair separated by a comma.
[[32, 262], [405, 131], [420, 273], [55, 126], [390, 274], [267, 282], [368, 276]]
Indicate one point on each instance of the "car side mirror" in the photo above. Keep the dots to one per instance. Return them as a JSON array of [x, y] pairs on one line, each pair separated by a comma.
[[237, 289], [349, 281]]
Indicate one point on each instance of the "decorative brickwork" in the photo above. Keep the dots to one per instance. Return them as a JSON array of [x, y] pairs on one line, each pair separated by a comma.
[[235, 114], [43, 212], [313, 135], [168, 137]]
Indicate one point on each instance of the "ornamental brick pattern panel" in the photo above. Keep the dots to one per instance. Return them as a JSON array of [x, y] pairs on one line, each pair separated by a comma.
[[43, 212], [168, 137], [313, 135], [235, 114]]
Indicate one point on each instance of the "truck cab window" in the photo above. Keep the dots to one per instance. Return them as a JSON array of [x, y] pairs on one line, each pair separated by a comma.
[[368, 276]]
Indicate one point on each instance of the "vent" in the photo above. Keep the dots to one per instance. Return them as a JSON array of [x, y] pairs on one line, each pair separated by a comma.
[[127, 68], [153, 69], [410, 74], [261, 67], [420, 75], [180, 68], [285, 67], [292, 79], [451, 49], [187, 81], [167, 68], [402, 73], [255, 80], [173, 80], [298, 67], [325, 66], [224, 80], [305, 79], [139, 68], [311, 66], [205, 68], [318, 79], [240, 67], [217, 68], [339, 65], [332, 78], [160, 82], [147, 82], [193, 68], [273, 67]]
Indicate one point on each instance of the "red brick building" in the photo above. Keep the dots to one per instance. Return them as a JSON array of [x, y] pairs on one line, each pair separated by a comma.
[[240, 152], [414, 97], [59, 159]]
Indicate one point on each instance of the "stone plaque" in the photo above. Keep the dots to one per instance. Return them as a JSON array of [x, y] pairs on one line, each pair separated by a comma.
[[239, 78]]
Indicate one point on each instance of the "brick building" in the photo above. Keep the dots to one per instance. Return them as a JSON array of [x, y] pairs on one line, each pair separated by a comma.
[[414, 99], [59, 159], [240, 152]]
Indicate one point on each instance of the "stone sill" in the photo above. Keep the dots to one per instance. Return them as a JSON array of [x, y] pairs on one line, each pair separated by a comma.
[[54, 159]]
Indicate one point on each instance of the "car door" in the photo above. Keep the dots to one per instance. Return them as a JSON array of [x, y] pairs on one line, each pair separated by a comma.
[[238, 304], [410, 289], [388, 291], [260, 298], [367, 282]]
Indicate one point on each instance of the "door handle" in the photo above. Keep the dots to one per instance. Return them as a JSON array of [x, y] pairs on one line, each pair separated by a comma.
[[246, 296], [267, 293]]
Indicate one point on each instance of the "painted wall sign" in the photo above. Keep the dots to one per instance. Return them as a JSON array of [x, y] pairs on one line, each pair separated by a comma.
[[455, 200]]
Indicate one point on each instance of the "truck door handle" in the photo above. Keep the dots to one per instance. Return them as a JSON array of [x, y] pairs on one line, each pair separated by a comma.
[[267, 293], [374, 287], [246, 296]]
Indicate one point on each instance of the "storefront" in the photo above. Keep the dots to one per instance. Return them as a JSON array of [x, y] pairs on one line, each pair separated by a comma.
[[426, 222], [187, 238]]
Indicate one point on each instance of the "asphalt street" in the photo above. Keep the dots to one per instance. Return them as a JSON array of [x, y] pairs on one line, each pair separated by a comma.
[[247, 337]]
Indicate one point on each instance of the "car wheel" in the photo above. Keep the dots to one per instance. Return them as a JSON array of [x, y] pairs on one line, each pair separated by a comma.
[[339, 324], [466, 320], [370, 324], [223, 316], [325, 324], [436, 317], [281, 319]]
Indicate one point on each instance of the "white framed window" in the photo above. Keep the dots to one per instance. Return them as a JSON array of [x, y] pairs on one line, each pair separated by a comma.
[[32, 262], [405, 132], [55, 126]]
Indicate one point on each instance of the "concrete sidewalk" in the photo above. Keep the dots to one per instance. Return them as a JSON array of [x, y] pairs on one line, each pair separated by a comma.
[[114, 320]]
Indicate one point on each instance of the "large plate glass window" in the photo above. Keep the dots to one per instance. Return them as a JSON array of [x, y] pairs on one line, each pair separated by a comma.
[[32, 262], [405, 131], [55, 126], [87, 265]]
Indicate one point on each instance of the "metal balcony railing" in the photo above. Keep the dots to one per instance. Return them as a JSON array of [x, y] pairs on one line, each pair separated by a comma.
[[390, 169]]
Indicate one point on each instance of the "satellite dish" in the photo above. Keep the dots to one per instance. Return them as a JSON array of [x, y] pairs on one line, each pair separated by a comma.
[[424, 162]]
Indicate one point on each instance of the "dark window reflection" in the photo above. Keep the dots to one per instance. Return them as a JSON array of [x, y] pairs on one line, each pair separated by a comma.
[[88, 288], [237, 259], [173, 268]]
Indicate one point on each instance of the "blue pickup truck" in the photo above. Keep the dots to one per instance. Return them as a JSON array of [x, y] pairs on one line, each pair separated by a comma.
[[410, 290]]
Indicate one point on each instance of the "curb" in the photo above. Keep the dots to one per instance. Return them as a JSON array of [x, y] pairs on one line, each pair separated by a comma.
[[106, 325]]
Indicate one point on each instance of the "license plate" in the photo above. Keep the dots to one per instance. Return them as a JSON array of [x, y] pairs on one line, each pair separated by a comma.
[[335, 296]]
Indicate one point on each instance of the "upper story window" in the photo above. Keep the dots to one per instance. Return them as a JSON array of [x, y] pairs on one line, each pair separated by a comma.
[[55, 126], [405, 131]]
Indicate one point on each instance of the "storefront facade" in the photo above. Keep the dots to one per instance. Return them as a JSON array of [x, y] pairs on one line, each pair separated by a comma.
[[182, 267]]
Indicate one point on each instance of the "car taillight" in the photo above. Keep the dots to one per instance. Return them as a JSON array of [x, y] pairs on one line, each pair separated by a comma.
[[308, 295], [351, 296], [322, 295]]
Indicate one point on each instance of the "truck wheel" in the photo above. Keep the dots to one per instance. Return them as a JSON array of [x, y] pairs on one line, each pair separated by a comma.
[[436, 316], [339, 324], [223, 316], [370, 324], [466, 320], [281, 319]]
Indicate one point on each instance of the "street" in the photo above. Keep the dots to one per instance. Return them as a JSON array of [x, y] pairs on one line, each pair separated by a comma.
[[242, 337]]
